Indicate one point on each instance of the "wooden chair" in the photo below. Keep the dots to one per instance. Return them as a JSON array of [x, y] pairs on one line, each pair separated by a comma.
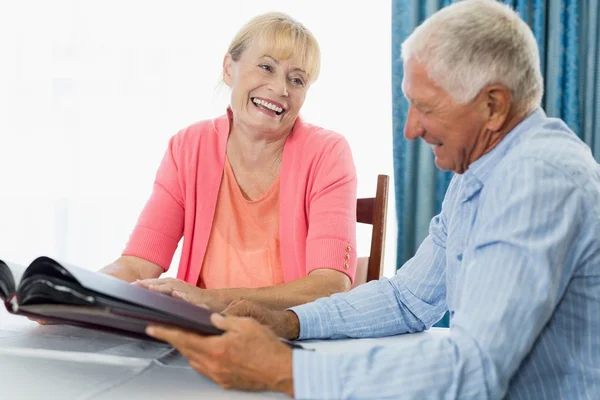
[[373, 211]]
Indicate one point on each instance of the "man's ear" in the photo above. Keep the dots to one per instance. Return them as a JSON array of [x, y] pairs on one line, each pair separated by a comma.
[[499, 106], [228, 70]]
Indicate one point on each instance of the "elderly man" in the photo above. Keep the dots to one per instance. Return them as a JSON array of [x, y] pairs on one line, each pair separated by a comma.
[[514, 254]]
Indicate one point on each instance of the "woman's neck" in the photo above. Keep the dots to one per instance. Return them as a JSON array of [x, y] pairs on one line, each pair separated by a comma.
[[255, 151]]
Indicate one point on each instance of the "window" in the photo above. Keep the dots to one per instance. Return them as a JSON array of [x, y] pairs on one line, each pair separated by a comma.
[[91, 93]]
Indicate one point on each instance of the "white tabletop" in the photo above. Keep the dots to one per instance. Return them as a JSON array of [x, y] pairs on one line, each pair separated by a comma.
[[75, 363]]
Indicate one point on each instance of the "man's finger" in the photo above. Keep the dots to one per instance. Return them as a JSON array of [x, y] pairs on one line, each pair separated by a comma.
[[239, 309], [164, 333], [234, 310], [203, 368], [226, 323], [186, 342]]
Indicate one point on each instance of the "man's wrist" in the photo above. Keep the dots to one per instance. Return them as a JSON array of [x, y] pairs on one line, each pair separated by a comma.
[[291, 325], [284, 381]]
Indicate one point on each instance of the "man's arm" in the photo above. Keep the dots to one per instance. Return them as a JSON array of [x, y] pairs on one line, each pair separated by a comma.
[[410, 302], [413, 300], [513, 274]]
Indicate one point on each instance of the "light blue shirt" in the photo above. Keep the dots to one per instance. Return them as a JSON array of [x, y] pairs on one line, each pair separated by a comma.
[[514, 255]]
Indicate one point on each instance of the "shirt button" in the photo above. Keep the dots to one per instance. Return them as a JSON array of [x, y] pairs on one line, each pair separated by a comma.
[[345, 265], [459, 257], [347, 256], [348, 248]]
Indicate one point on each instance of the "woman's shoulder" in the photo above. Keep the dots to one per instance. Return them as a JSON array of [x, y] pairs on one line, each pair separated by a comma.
[[313, 138], [208, 129], [312, 149]]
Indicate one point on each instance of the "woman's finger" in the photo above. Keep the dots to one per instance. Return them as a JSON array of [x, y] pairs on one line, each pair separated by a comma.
[[161, 289], [40, 321], [180, 295]]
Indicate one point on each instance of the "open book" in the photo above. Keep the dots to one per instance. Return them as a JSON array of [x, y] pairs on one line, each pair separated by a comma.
[[54, 292]]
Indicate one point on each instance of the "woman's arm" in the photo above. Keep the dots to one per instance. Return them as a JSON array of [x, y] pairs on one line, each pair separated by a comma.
[[130, 269], [319, 283], [159, 227]]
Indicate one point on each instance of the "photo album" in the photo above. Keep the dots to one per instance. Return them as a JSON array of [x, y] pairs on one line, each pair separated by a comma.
[[59, 293]]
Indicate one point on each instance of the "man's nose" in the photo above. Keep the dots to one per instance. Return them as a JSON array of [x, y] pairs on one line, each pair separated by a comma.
[[412, 128]]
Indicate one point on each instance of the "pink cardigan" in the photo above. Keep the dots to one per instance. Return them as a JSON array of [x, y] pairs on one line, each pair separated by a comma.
[[317, 201]]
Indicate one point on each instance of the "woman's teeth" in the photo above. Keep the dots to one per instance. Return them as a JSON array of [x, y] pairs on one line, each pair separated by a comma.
[[268, 105]]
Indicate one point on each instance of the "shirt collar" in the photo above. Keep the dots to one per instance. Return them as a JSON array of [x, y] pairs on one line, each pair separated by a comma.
[[478, 172]]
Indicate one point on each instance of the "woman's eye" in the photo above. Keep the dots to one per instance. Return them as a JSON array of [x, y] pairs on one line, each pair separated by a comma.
[[266, 67], [297, 81]]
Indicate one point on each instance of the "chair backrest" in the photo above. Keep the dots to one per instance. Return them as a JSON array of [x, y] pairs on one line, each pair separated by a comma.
[[373, 211]]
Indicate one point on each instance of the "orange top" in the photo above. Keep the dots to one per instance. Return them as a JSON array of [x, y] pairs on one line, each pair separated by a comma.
[[243, 248]]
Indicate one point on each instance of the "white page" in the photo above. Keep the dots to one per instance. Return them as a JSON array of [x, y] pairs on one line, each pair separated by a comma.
[[16, 269]]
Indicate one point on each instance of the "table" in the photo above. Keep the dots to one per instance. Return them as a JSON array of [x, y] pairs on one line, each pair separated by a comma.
[[65, 362]]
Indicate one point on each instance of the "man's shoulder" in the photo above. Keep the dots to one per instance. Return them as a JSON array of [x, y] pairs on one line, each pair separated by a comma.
[[551, 146]]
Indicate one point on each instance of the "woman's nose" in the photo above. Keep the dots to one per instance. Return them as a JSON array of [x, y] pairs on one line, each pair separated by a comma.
[[279, 86]]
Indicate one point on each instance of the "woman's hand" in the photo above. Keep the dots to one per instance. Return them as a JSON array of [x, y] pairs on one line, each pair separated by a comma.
[[247, 356], [182, 290], [41, 321]]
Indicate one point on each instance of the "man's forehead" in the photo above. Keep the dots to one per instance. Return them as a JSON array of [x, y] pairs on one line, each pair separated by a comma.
[[411, 78], [418, 88], [413, 90]]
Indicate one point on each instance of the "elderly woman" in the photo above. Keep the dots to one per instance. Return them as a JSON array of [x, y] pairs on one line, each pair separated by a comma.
[[265, 202]]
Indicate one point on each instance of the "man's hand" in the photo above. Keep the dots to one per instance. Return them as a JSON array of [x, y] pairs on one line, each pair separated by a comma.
[[183, 290], [284, 323], [247, 356]]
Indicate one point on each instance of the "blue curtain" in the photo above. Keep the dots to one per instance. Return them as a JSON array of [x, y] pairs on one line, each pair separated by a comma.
[[568, 36]]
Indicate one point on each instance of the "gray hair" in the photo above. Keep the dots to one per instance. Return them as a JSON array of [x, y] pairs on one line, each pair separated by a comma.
[[475, 43]]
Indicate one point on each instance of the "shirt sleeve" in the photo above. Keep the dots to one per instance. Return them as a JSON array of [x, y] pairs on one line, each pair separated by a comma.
[[160, 225], [412, 301], [331, 239], [514, 273]]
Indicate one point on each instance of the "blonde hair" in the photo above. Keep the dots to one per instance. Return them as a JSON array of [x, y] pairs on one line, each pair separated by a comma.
[[475, 43], [284, 37]]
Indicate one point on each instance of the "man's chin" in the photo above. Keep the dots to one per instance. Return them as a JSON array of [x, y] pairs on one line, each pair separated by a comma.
[[445, 166]]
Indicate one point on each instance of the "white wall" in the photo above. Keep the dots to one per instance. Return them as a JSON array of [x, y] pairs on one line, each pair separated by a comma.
[[90, 93]]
